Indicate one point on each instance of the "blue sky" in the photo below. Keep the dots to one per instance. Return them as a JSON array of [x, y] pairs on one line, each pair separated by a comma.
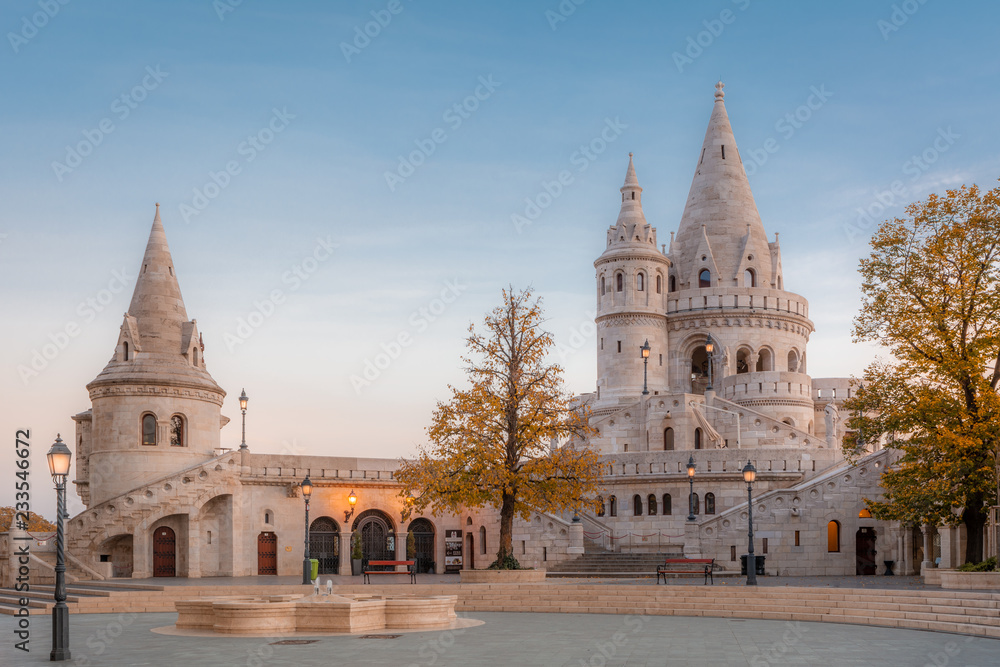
[[300, 120]]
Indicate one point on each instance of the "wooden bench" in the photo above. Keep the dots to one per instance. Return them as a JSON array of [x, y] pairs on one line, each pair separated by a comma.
[[410, 570], [703, 566]]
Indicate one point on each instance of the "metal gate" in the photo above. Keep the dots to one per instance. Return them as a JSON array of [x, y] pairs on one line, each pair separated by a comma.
[[267, 553], [164, 552], [377, 540], [324, 544], [423, 542]]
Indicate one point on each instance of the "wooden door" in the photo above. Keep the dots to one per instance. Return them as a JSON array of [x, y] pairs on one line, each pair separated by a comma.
[[164, 552], [267, 553], [865, 545]]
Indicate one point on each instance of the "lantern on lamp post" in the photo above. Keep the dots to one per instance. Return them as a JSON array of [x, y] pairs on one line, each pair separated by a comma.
[[59, 458], [243, 408], [644, 352], [690, 468], [709, 351], [749, 475], [307, 489]]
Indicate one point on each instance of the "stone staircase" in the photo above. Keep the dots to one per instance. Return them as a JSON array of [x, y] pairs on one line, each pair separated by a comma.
[[607, 564]]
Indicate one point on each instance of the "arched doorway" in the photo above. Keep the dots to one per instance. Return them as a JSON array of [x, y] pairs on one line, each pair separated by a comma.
[[324, 544], [119, 552], [378, 541], [470, 552], [423, 545], [267, 553], [865, 545], [164, 552]]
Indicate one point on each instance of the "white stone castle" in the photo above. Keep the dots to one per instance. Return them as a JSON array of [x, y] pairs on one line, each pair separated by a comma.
[[724, 381]]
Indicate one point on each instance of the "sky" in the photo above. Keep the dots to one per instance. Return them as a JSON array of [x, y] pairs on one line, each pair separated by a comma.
[[347, 186]]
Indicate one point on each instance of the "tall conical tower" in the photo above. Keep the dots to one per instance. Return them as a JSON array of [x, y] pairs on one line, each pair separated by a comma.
[[631, 301], [726, 281], [155, 409]]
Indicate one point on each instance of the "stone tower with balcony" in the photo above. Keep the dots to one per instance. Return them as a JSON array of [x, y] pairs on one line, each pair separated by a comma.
[[155, 408], [726, 281]]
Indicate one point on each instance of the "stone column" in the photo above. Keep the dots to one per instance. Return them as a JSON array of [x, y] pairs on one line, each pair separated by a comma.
[[401, 546], [928, 561], [949, 537], [142, 556], [575, 539], [193, 548], [345, 554]]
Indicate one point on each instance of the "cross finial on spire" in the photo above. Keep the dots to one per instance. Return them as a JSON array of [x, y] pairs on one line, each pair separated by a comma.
[[718, 91]]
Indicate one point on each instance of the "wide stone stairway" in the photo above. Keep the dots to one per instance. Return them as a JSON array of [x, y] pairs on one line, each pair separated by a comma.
[[607, 564]]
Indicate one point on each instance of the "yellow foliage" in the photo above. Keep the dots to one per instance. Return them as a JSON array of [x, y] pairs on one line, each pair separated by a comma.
[[490, 443]]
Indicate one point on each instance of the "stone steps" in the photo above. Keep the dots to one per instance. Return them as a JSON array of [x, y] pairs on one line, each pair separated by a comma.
[[946, 611]]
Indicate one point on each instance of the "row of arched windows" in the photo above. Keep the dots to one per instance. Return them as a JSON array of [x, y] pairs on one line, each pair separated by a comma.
[[178, 436], [668, 439], [640, 283], [705, 279], [652, 506]]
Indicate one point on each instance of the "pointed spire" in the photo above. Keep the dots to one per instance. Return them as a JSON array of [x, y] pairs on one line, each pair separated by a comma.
[[720, 199], [631, 212], [157, 304]]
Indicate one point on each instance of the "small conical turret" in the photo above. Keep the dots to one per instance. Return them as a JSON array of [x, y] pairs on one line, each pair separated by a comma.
[[631, 226]]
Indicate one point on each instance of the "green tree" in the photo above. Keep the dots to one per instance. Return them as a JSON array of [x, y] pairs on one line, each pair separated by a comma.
[[931, 296], [490, 443]]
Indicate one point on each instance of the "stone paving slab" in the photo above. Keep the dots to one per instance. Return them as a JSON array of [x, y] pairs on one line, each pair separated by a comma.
[[521, 639]]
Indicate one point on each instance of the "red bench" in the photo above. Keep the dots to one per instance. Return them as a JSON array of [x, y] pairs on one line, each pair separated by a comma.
[[410, 570], [702, 566]]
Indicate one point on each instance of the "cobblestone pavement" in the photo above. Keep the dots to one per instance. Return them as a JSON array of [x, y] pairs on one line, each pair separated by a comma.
[[520, 639]]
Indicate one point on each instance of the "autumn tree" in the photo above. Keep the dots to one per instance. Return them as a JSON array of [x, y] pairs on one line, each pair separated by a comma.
[[931, 296], [35, 523], [489, 445]]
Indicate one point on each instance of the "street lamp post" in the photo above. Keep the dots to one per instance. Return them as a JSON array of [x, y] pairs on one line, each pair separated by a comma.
[[59, 458], [243, 409], [644, 351], [749, 475], [307, 489], [709, 349], [691, 468]]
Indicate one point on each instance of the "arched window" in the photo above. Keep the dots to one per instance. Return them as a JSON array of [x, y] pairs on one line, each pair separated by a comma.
[[764, 360], [651, 505], [864, 513], [125, 351], [640, 282], [482, 539], [793, 361], [637, 505], [604, 287], [705, 278], [600, 506], [697, 438], [695, 504], [148, 429], [668, 439], [749, 278], [667, 506], [833, 537], [619, 282], [613, 506], [673, 284], [177, 431], [709, 503], [743, 361], [659, 284]]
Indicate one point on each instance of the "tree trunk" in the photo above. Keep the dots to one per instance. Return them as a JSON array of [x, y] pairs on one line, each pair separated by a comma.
[[975, 521], [506, 528]]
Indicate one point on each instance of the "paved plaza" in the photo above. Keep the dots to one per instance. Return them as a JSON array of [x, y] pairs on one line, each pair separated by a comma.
[[520, 639]]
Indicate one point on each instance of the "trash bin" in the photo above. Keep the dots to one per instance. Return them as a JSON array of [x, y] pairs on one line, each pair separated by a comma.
[[758, 562], [314, 568]]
